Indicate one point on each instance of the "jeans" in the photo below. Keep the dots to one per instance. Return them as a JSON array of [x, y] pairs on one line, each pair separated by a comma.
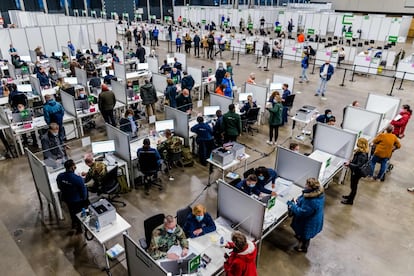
[[322, 86], [383, 161], [304, 74], [285, 114]]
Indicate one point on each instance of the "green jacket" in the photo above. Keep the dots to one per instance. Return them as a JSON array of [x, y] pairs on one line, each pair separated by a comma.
[[106, 100], [275, 117], [231, 123], [161, 241]]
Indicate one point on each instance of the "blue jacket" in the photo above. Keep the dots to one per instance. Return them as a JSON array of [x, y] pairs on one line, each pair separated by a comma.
[[72, 187], [171, 94], [155, 33], [286, 93], [308, 213], [322, 118], [178, 41], [228, 92], [53, 112], [43, 79], [305, 62], [157, 154], [191, 224], [257, 189], [272, 177], [104, 49], [203, 131], [330, 71], [246, 107]]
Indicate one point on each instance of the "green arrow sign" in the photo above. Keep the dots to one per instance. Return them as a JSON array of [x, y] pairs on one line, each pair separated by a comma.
[[311, 31], [392, 38], [348, 34], [250, 26]]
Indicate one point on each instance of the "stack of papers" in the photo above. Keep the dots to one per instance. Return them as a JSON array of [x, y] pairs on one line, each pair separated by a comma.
[[115, 251], [282, 186]]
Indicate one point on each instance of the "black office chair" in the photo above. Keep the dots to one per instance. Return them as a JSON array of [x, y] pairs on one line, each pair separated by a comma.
[[251, 119], [111, 187], [149, 225], [289, 101], [372, 41], [366, 42], [182, 215], [248, 172], [149, 167]]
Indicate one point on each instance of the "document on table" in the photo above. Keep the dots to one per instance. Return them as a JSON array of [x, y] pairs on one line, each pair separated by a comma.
[[177, 250], [282, 186]]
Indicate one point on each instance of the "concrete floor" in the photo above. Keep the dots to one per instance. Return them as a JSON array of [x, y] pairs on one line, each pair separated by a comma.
[[372, 237]]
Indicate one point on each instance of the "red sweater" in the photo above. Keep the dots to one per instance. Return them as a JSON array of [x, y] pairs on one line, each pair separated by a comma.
[[399, 125], [242, 263]]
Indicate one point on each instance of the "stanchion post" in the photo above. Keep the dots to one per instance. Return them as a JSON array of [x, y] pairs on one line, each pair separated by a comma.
[[232, 56], [238, 57], [402, 80], [392, 87], [353, 73], [313, 65], [343, 79], [267, 64]]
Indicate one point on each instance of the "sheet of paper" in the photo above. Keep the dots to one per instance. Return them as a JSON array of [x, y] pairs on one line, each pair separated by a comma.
[[152, 119], [86, 141]]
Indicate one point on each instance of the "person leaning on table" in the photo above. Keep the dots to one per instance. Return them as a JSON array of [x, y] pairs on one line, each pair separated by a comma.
[[164, 237], [242, 260], [199, 222]]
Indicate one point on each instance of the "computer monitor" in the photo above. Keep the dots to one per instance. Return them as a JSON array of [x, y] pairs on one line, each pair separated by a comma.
[[82, 104], [24, 88], [142, 66], [21, 117], [243, 96], [210, 110], [103, 146], [164, 125], [71, 80], [58, 53]]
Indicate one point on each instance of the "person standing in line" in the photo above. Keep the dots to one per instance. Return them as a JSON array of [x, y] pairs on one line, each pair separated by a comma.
[[242, 260], [286, 93], [178, 44], [171, 93], [219, 75], [229, 83], [149, 97], [204, 139], [275, 118], [187, 43], [196, 41], [144, 36], [140, 53], [401, 120], [74, 192], [359, 159], [265, 54], [106, 104], [210, 41], [155, 34], [307, 213], [231, 126], [305, 66], [325, 72]]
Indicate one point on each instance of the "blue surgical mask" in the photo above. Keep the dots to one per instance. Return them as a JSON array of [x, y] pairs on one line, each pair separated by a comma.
[[199, 218], [170, 231], [251, 185], [261, 177], [329, 115], [82, 96], [130, 117]]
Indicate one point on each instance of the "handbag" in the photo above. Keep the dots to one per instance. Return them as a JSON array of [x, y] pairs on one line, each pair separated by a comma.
[[365, 169]]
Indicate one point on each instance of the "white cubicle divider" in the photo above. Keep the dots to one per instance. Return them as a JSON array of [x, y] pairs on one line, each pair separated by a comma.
[[221, 101], [56, 64], [81, 76], [33, 56], [119, 90], [259, 93], [364, 122], [12, 70], [296, 167], [242, 211], [196, 74], [119, 71], [139, 262], [122, 141], [120, 54], [160, 82], [34, 38], [334, 141], [386, 105], [181, 120], [35, 85], [182, 58], [41, 180], [66, 50], [405, 70], [284, 79], [323, 55], [153, 65], [68, 102]]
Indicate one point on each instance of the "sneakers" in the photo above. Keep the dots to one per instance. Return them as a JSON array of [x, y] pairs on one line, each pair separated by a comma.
[[316, 94], [411, 189], [269, 142]]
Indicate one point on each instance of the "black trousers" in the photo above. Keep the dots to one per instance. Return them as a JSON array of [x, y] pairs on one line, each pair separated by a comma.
[[230, 138], [197, 51], [354, 186], [273, 129], [210, 52], [108, 116], [74, 208], [204, 150]]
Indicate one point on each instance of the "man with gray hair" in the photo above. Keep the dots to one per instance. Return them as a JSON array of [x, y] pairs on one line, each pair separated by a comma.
[[166, 236]]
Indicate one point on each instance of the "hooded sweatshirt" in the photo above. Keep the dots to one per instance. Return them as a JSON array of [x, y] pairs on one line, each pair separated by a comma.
[[242, 263]]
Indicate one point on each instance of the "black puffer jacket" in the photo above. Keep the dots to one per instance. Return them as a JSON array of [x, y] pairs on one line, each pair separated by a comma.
[[148, 94]]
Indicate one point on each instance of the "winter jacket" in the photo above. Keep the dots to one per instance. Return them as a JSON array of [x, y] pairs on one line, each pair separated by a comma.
[[330, 71], [72, 187], [228, 92], [148, 94], [399, 125], [220, 72], [275, 117], [307, 219], [187, 82], [242, 263], [191, 224], [106, 100], [305, 62], [53, 112], [385, 144], [231, 123], [171, 94], [359, 159]]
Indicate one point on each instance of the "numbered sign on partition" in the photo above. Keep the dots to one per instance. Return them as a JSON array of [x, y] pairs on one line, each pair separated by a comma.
[[250, 26], [203, 21], [311, 31]]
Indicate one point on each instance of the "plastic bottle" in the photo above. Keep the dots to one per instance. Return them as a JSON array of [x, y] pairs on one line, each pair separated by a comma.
[[221, 240], [97, 226], [83, 214]]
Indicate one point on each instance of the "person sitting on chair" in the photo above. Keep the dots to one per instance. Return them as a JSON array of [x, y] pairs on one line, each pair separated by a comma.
[[264, 176], [128, 123], [164, 237], [249, 104], [147, 147], [95, 174], [199, 222], [249, 186], [52, 145]]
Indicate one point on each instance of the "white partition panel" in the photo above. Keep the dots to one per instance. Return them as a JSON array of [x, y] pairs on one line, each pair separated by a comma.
[[384, 30], [365, 26], [181, 121], [285, 79], [296, 167], [110, 33], [259, 93], [196, 74], [100, 32], [119, 71], [122, 141], [323, 24], [91, 35], [374, 27], [153, 64], [362, 120], [221, 101], [50, 41], [34, 38], [81, 76], [40, 176], [12, 70], [119, 90], [68, 102], [62, 35], [334, 141], [75, 36], [35, 85], [386, 105], [18, 38], [159, 82], [5, 42], [182, 58], [84, 37]]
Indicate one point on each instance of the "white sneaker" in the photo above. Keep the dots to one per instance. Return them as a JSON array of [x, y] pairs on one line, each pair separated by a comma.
[[274, 144], [411, 189], [269, 142], [171, 178]]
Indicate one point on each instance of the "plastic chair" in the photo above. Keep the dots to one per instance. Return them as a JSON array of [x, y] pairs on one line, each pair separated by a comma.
[[251, 119]]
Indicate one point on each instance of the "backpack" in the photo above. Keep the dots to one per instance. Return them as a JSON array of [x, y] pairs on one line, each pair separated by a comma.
[[187, 157], [312, 52], [210, 40], [176, 145]]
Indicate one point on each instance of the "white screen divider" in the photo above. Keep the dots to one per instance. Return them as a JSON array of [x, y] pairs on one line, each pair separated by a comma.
[[182, 58], [358, 119], [68, 102], [119, 71], [81, 76], [153, 64], [119, 90], [12, 70], [181, 121], [285, 79], [386, 105], [35, 85], [221, 101], [40, 176], [196, 74], [259, 93], [33, 56], [159, 82], [122, 142]]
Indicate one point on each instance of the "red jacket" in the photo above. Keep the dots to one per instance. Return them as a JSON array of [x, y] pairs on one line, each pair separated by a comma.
[[242, 263], [399, 125]]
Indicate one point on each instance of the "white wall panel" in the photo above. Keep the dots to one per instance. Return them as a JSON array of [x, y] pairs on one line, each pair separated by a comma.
[[110, 31], [5, 42], [50, 41], [34, 38], [62, 35], [18, 37]]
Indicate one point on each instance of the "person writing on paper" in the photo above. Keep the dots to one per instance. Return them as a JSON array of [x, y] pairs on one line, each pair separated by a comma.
[[166, 236], [52, 146], [307, 213], [250, 187], [184, 102], [199, 222], [264, 176], [128, 123], [249, 104], [401, 120], [242, 260], [93, 177]]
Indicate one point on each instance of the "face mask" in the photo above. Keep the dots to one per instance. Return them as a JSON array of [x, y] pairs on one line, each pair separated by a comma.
[[82, 96], [199, 218], [130, 117], [274, 101], [170, 231], [55, 134], [251, 185], [329, 115], [261, 177]]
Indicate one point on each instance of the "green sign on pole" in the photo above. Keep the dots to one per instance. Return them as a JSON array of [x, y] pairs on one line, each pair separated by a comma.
[[392, 38], [225, 23], [348, 34], [347, 19], [203, 21], [184, 19], [250, 26], [278, 28], [311, 31]]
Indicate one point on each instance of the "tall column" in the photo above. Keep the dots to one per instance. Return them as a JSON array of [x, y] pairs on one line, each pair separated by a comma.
[[22, 5], [162, 12], [85, 4], [66, 8], [148, 11], [45, 6]]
